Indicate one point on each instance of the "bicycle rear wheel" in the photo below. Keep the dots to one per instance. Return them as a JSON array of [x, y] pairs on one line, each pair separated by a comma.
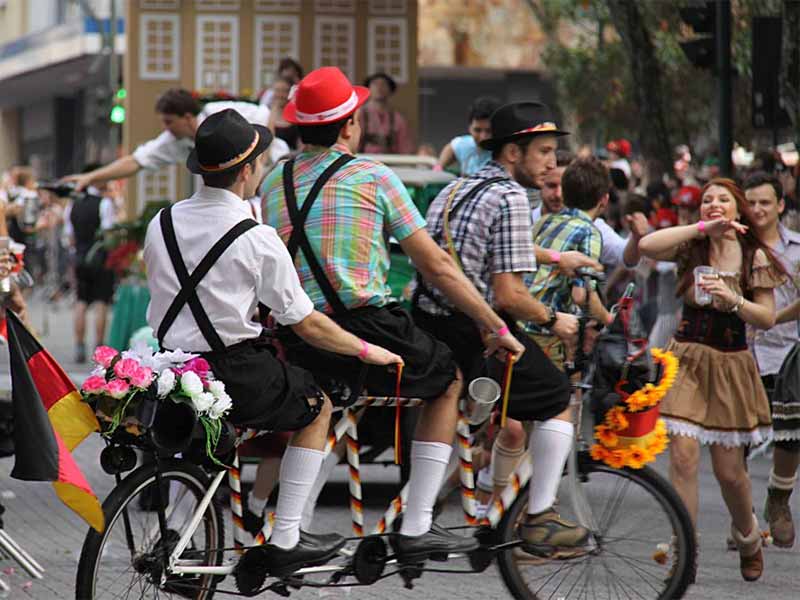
[[127, 561], [646, 544]]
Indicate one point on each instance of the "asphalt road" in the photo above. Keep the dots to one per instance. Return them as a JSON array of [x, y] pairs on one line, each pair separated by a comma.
[[53, 535]]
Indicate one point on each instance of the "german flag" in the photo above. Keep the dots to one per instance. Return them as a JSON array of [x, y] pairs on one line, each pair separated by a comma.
[[50, 420]]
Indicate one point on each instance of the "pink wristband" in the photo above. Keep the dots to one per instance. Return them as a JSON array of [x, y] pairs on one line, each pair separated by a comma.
[[364, 350], [701, 226], [555, 257], [502, 331]]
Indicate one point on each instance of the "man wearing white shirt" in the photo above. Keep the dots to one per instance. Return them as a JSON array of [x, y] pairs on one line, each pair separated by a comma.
[[180, 114], [235, 264]]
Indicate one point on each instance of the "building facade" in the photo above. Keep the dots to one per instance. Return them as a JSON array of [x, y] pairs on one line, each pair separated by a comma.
[[234, 46]]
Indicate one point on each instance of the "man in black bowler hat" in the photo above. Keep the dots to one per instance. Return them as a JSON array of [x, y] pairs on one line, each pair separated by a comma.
[[241, 264], [485, 220]]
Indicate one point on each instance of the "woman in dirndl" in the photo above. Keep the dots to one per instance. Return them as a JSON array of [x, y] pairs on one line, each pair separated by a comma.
[[718, 399]]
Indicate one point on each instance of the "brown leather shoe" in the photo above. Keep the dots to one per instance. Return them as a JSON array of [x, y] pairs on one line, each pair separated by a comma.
[[779, 516], [751, 557], [547, 535], [752, 566]]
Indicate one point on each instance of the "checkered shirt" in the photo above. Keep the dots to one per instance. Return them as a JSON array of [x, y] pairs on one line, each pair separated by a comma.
[[491, 232], [570, 229], [348, 226]]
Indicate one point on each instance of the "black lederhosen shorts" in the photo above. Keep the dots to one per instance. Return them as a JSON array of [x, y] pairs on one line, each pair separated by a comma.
[[95, 284], [267, 393], [429, 366], [539, 391]]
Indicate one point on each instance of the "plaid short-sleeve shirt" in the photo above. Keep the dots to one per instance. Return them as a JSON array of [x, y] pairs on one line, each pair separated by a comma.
[[570, 229], [359, 207], [491, 232]]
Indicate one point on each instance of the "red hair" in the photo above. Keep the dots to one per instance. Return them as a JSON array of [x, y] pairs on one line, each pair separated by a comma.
[[699, 249]]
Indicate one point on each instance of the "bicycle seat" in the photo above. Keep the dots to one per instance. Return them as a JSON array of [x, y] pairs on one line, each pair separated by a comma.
[[590, 273]]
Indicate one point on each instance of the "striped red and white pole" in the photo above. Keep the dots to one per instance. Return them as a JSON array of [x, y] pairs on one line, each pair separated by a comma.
[[354, 463], [521, 476], [240, 535], [395, 508], [468, 502]]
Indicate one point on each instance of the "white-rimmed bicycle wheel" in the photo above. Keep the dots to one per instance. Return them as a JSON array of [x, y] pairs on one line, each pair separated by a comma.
[[126, 560], [645, 542]]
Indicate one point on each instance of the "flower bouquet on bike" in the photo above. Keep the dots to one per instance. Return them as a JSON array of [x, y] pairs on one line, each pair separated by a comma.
[[172, 396], [629, 382]]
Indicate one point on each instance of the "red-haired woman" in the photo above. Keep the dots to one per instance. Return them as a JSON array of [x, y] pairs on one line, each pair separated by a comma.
[[718, 399]]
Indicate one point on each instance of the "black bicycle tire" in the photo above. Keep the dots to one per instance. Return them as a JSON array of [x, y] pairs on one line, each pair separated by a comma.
[[657, 486], [119, 497]]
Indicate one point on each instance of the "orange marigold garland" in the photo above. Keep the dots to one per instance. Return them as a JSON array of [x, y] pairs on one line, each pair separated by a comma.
[[631, 434]]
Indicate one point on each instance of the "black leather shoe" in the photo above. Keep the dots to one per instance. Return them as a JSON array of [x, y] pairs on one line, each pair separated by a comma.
[[436, 545], [311, 551]]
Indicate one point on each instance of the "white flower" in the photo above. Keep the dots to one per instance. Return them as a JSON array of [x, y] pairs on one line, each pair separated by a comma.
[[162, 360], [141, 352], [221, 406], [203, 402], [166, 382], [98, 371], [191, 385], [217, 388]]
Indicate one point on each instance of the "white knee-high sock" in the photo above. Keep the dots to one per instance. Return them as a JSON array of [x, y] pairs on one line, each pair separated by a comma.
[[549, 445], [299, 469], [428, 465], [330, 462]]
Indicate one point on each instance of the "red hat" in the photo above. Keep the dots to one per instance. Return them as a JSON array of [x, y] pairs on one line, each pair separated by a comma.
[[688, 196], [620, 146], [664, 217], [323, 96]]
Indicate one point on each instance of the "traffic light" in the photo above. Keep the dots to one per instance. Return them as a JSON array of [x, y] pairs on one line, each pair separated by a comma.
[[701, 17], [118, 110]]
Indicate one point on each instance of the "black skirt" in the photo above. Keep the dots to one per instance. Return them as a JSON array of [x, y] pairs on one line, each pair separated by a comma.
[[267, 393], [539, 390], [429, 366]]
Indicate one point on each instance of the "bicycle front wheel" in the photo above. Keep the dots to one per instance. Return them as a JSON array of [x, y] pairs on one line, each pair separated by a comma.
[[127, 559], [645, 544]]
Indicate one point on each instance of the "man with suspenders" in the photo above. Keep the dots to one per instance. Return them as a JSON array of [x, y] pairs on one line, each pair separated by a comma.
[[336, 212], [484, 221], [209, 266]]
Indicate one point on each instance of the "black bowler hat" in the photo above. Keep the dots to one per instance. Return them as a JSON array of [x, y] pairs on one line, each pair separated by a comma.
[[225, 141], [386, 77], [518, 120]]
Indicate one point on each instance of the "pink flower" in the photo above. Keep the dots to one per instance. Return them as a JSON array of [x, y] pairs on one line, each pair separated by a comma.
[[94, 385], [117, 388], [199, 366], [103, 356], [142, 378], [126, 368]]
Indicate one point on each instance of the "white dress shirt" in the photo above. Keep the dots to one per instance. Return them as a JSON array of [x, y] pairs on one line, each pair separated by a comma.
[[166, 149], [256, 267]]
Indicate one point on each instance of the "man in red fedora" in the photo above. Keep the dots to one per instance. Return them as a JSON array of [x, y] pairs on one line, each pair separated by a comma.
[[336, 213], [235, 263]]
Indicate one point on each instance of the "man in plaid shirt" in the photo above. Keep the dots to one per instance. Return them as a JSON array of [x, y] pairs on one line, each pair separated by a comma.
[[585, 186], [335, 212], [485, 222]]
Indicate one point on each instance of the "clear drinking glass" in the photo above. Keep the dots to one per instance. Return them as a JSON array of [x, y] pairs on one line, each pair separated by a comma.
[[702, 297]]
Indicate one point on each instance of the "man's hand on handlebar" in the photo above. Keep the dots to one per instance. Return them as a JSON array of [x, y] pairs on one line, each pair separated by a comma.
[[572, 260], [377, 355], [566, 329], [502, 345]]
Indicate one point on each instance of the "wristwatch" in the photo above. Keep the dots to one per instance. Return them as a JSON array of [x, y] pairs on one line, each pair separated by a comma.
[[552, 317]]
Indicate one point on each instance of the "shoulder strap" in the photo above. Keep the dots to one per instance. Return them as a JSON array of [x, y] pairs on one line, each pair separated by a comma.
[[188, 292], [298, 237]]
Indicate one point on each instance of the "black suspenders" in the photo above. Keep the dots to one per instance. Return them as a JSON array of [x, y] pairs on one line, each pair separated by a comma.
[[188, 293], [298, 237]]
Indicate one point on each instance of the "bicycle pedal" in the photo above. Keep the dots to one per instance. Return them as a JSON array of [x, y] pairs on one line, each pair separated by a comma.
[[410, 572], [250, 573]]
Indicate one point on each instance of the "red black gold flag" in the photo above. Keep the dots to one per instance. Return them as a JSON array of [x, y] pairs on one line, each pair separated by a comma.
[[50, 420]]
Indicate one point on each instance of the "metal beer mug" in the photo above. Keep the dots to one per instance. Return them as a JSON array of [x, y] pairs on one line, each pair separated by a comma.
[[482, 394]]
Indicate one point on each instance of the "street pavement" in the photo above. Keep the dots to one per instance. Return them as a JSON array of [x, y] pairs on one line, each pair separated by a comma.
[[53, 535]]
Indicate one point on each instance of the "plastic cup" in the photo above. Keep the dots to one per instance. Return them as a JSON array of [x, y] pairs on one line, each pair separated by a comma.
[[702, 297], [482, 393]]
